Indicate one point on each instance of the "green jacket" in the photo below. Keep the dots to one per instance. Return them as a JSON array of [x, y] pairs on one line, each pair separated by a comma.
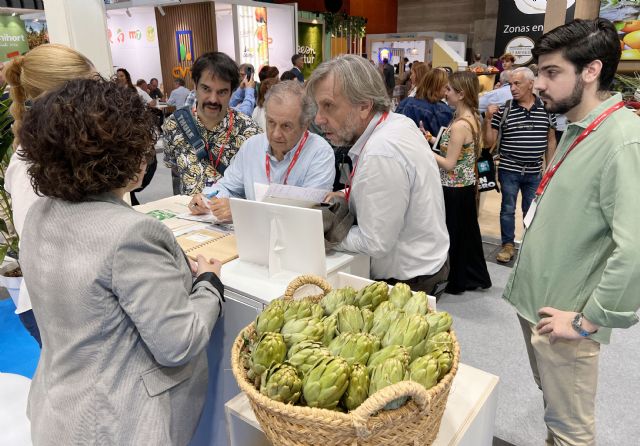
[[582, 251]]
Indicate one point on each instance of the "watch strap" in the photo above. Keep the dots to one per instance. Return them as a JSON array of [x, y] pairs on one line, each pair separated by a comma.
[[577, 325]]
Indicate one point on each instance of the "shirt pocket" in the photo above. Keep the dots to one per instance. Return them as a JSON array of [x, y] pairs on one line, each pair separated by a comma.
[[158, 380]]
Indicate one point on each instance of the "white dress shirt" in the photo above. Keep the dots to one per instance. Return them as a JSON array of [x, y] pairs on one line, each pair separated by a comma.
[[397, 199], [315, 167]]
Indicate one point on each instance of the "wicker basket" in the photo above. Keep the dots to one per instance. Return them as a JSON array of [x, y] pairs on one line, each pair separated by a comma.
[[415, 423]]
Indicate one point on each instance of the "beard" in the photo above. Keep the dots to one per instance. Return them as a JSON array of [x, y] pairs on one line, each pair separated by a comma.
[[562, 106], [346, 135]]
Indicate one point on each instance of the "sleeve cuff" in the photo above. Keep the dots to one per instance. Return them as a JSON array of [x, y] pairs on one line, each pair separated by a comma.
[[213, 280], [595, 313]]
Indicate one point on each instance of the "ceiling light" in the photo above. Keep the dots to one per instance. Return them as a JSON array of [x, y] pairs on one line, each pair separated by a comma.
[[13, 14], [161, 9], [128, 12]]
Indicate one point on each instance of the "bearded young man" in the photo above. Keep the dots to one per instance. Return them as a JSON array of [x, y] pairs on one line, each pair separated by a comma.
[[578, 272]]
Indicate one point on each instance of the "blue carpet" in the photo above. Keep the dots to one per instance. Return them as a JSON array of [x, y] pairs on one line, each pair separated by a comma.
[[19, 352]]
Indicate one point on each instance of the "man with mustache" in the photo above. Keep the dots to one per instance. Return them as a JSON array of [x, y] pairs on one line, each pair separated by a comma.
[[527, 137], [578, 272], [220, 129], [287, 154], [394, 189]]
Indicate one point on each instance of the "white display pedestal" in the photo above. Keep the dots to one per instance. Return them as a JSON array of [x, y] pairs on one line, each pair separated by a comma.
[[468, 419]]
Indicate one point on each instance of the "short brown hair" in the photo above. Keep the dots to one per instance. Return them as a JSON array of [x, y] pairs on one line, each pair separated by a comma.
[[88, 137], [431, 85], [509, 57]]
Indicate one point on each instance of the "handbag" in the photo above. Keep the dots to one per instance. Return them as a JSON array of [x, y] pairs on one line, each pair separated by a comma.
[[486, 167]]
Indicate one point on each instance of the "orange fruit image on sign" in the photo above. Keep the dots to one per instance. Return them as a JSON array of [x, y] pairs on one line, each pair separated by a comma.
[[261, 15], [631, 26], [261, 33], [632, 40]]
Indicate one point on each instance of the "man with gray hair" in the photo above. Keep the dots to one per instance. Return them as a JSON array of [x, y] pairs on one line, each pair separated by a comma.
[[286, 154], [527, 136], [394, 190]]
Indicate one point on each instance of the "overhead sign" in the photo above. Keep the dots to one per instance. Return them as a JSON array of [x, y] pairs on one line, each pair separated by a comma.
[[13, 38], [520, 24], [310, 40]]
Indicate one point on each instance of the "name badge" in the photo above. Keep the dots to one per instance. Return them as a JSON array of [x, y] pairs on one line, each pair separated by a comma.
[[530, 214]]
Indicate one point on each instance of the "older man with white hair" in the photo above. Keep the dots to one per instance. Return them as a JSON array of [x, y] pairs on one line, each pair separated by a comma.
[[527, 137], [394, 189], [286, 154]]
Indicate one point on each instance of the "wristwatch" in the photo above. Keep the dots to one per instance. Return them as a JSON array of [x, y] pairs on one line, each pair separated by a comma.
[[576, 323]]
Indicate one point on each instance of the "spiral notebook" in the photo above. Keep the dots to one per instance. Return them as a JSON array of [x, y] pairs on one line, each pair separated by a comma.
[[209, 243]]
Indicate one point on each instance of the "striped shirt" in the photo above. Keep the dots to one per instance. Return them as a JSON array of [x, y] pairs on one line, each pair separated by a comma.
[[525, 136]]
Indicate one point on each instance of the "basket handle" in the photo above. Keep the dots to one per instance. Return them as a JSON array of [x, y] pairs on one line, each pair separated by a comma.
[[381, 398], [301, 281]]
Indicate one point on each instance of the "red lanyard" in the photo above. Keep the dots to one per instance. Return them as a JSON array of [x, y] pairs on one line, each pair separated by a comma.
[[293, 162], [226, 141], [596, 122], [347, 187]]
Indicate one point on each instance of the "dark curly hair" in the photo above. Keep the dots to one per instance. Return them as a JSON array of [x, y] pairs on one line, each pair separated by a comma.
[[87, 137]]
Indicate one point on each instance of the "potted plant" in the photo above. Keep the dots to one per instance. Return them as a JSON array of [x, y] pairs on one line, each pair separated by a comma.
[[10, 273]]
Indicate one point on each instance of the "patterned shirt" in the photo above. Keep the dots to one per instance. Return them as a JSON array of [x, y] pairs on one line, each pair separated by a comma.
[[196, 174], [463, 174], [525, 136]]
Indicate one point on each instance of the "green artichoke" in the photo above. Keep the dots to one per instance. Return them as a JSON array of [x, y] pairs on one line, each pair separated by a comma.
[[383, 309], [440, 341], [445, 360], [354, 347], [358, 389], [372, 295], [399, 295], [281, 383], [271, 319], [438, 322], [393, 351], [425, 370], [350, 319], [367, 319], [381, 324], [326, 382], [330, 328], [297, 309], [389, 372], [270, 349], [298, 330], [336, 299], [417, 304], [408, 331], [306, 354]]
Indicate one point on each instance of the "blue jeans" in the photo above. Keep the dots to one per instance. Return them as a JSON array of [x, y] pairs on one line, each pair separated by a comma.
[[511, 183]]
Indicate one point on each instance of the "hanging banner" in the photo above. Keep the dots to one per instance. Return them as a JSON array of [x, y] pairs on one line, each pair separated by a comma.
[[310, 40], [13, 38], [520, 24], [625, 15]]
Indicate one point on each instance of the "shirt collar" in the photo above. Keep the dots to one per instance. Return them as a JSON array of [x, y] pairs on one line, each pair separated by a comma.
[[288, 155], [362, 140], [593, 114]]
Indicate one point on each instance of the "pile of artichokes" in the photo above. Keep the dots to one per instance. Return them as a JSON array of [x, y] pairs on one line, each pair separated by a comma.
[[335, 353]]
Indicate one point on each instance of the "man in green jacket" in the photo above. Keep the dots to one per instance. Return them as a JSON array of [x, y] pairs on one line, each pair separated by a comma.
[[578, 272]]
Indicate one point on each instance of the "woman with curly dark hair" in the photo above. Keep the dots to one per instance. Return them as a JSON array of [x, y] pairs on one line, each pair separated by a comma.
[[124, 325]]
